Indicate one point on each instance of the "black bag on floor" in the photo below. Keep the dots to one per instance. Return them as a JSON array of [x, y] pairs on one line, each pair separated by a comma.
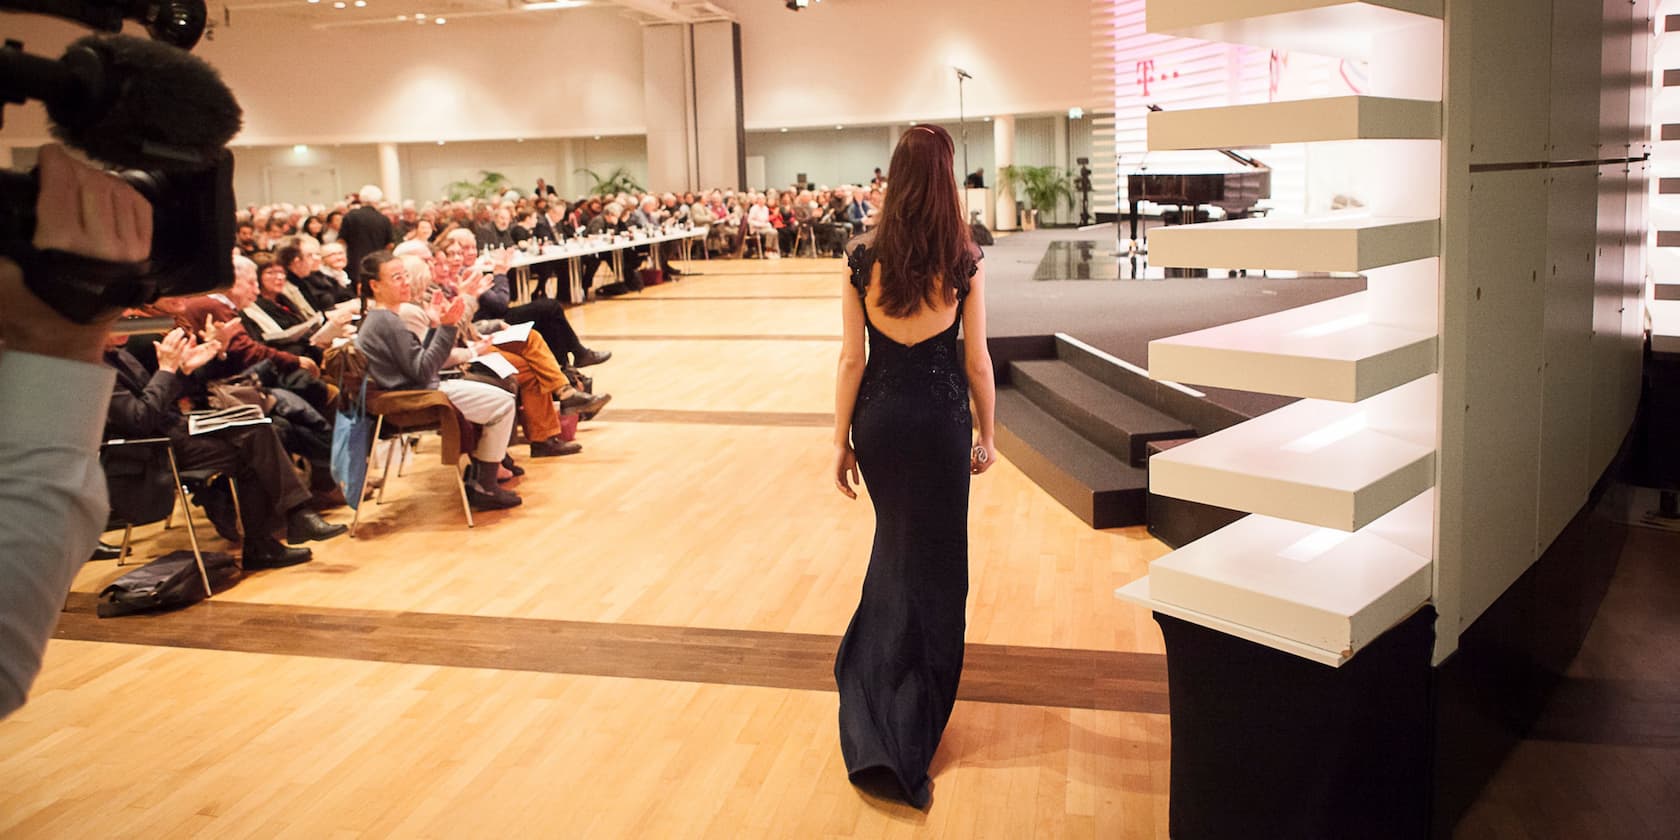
[[167, 583]]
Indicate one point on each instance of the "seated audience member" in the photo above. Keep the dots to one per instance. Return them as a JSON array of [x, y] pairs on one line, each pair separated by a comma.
[[284, 318], [313, 226], [759, 226], [245, 238], [501, 230], [539, 377], [301, 255], [270, 495], [646, 215], [524, 223], [627, 260], [545, 316], [785, 222], [399, 361], [555, 223], [484, 225], [333, 262], [335, 221], [422, 232]]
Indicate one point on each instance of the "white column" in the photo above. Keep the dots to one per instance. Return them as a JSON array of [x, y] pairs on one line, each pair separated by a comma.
[[1003, 150], [390, 172], [667, 78], [719, 132], [566, 180], [1060, 152]]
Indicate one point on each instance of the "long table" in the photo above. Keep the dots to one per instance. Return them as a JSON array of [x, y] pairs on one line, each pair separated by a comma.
[[572, 251]]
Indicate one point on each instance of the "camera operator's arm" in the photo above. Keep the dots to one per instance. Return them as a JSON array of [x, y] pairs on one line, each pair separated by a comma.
[[52, 407]]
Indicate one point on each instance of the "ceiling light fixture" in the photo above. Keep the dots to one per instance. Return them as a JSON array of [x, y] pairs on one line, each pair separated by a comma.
[[440, 21], [360, 4], [339, 4], [402, 17], [784, 131], [552, 4]]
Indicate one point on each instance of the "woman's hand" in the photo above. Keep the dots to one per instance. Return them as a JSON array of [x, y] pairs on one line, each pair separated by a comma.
[[453, 313], [846, 470], [982, 457]]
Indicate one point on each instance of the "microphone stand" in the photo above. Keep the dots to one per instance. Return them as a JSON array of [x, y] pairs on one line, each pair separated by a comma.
[[962, 122]]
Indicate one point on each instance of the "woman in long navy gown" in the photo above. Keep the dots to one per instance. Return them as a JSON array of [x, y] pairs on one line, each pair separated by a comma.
[[903, 419]]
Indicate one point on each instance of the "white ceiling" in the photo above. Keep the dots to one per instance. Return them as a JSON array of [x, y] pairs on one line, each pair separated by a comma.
[[334, 14]]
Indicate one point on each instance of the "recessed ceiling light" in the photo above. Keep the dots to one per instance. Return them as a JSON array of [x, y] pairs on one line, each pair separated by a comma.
[[439, 21], [597, 137], [360, 4], [440, 142], [313, 2], [339, 4], [784, 131], [839, 128], [419, 15], [912, 123], [300, 149], [402, 17]]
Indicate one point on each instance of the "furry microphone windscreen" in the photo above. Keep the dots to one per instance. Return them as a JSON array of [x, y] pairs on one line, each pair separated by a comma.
[[150, 106]]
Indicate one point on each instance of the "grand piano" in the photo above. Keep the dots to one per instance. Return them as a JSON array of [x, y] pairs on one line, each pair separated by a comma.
[[1189, 184]]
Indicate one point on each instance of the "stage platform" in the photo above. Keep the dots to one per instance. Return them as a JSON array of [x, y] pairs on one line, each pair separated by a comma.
[[1036, 286]]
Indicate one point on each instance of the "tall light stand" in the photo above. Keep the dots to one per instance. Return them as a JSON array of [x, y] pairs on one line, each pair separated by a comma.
[[962, 122]]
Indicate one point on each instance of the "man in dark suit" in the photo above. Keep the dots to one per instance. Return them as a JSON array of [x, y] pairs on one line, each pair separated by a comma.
[[143, 404], [365, 229]]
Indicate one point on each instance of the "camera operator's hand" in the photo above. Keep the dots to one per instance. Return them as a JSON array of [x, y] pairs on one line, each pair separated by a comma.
[[80, 210]]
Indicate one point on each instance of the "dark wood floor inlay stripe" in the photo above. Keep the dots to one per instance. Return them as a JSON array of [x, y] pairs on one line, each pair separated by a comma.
[[722, 418], [1032, 676]]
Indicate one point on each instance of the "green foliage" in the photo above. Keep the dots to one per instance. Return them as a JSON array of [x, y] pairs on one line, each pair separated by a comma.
[[1046, 187], [617, 182], [488, 185]]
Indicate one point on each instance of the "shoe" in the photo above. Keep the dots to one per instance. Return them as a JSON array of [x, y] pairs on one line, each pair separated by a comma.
[[479, 498], [555, 446], [587, 357], [106, 551], [513, 469], [305, 525], [327, 499], [589, 414], [584, 405], [270, 554]]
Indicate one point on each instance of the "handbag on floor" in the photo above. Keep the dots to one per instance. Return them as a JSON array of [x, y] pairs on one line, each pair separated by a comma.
[[168, 583]]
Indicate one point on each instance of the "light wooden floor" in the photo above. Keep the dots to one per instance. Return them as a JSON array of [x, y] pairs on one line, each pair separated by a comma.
[[701, 500]]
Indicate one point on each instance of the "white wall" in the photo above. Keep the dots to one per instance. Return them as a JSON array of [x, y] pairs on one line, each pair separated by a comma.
[[404, 83], [889, 61]]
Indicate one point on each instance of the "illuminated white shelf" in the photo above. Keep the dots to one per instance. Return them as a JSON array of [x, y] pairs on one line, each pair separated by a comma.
[[1298, 121], [1331, 590], [1332, 464], [1665, 330], [1328, 350], [1326, 27], [1346, 241]]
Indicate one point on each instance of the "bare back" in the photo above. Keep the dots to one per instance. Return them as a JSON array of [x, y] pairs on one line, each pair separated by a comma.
[[925, 324]]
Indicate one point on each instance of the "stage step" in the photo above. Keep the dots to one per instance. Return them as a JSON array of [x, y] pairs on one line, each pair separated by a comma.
[[1180, 522], [1101, 489], [1118, 424]]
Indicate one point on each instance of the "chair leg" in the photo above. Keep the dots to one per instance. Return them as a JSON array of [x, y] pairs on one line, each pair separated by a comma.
[[238, 514], [402, 455], [192, 533], [122, 550], [461, 483], [385, 477]]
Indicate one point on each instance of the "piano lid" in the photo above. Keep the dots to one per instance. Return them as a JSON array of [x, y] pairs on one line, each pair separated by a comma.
[[1183, 163]]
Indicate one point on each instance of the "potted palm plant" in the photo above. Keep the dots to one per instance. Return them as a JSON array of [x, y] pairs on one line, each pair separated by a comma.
[[619, 181], [1045, 188], [489, 184]]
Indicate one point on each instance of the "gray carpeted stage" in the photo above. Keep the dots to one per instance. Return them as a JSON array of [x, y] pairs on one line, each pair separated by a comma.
[[1121, 315]]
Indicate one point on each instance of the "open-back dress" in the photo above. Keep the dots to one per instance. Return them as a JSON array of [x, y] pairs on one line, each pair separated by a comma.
[[901, 658]]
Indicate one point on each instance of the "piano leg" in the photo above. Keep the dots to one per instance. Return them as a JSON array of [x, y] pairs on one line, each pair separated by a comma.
[[1136, 244]]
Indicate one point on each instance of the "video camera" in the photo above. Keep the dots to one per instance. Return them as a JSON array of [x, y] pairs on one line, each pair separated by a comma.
[[161, 118]]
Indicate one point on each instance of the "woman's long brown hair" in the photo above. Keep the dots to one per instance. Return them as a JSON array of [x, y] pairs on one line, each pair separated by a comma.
[[921, 239]]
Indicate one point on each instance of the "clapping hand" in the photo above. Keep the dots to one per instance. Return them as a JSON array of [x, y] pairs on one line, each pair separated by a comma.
[[170, 350], [474, 286], [452, 314], [199, 355], [435, 307]]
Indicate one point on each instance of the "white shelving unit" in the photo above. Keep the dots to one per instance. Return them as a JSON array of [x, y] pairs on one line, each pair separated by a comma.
[[1337, 28], [1330, 590], [1341, 242], [1333, 464], [1298, 121], [1342, 544], [1330, 350]]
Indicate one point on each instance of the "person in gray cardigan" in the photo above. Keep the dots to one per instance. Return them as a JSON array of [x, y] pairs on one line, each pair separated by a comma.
[[397, 360]]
